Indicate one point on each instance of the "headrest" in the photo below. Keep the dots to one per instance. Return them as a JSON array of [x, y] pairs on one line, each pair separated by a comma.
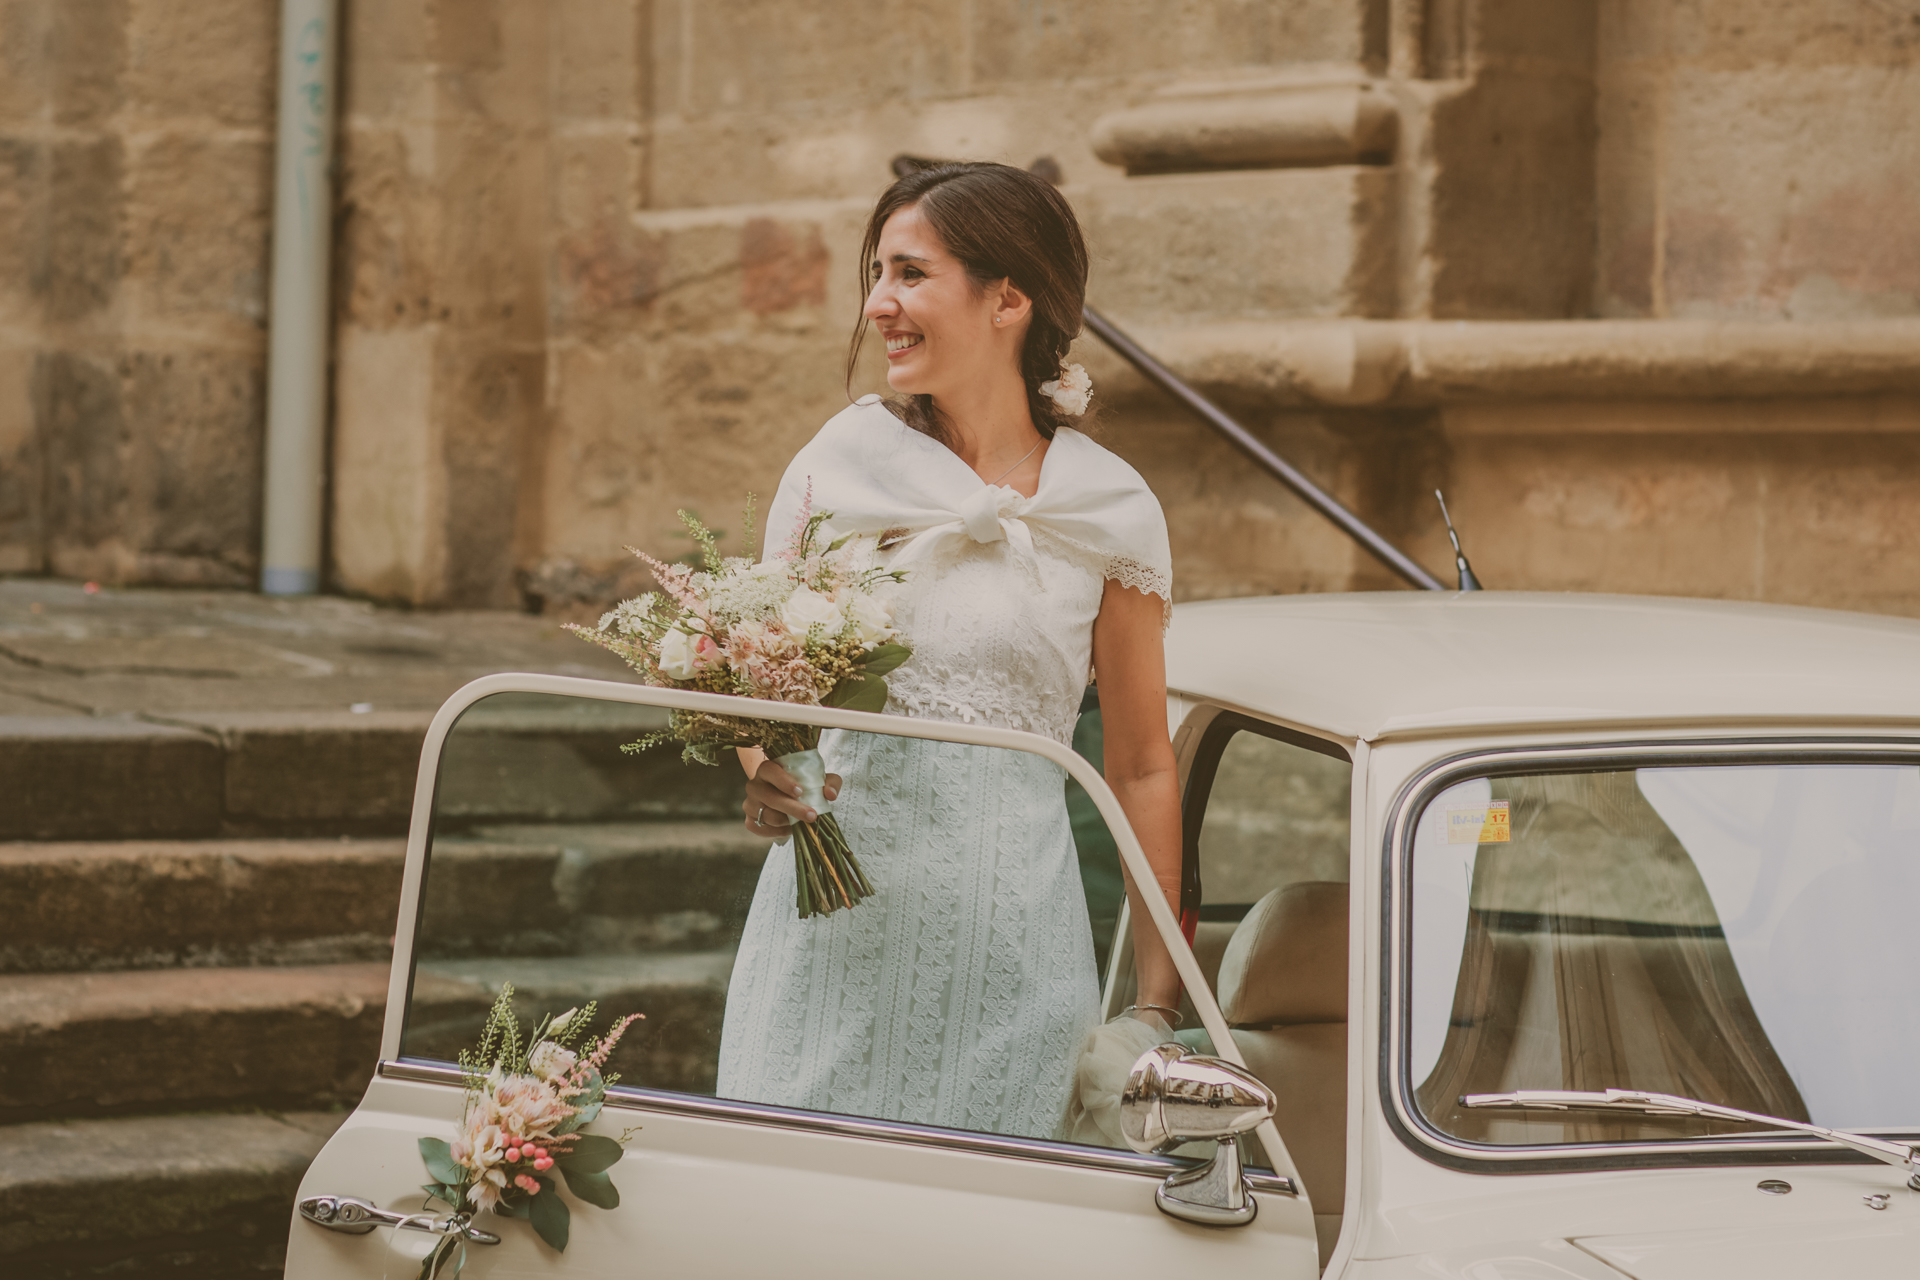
[[1287, 962]]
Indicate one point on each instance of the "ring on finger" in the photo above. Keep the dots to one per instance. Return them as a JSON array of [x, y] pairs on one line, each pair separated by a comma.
[[760, 818]]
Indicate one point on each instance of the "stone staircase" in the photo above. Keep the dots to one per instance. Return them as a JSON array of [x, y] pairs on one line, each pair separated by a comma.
[[195, 946]]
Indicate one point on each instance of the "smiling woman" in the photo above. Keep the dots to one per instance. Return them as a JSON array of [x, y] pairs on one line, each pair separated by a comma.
[[963, 992]]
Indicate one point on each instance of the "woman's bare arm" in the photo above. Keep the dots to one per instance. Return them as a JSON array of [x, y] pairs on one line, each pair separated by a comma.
[[1130, 660]]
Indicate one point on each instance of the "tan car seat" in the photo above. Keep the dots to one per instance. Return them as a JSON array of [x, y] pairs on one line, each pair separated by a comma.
[[1283, 991]]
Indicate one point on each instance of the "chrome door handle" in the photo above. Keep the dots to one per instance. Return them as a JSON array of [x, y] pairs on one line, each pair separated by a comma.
[[357, 1217]]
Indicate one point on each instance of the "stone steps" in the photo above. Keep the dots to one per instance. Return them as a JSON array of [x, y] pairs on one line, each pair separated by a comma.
[[197, 1197], [332, 773], [200, 919]]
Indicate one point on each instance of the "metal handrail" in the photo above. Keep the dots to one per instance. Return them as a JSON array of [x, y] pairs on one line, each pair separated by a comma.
[[1275, 465]]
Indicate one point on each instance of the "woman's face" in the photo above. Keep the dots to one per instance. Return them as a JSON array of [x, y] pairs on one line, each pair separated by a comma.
[[943, 332]]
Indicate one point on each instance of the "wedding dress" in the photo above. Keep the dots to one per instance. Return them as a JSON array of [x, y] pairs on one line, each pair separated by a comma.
[[960, 993]]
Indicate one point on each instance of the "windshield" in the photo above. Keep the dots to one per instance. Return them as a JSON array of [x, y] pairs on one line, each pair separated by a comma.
[[1733, 933]]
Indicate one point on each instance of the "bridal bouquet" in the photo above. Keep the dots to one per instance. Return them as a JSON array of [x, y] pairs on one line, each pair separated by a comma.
[[810, 625], [526, 1104]]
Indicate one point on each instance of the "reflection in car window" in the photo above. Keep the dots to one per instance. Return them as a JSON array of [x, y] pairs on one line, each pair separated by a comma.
[[1727, 933], [577, 872]]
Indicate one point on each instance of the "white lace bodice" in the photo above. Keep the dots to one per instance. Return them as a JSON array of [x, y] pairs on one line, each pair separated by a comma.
[[998, 641]]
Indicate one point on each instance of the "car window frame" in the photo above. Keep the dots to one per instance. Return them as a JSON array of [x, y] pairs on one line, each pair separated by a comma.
[[633, 1098], [1204, 768], [1395, 1082]]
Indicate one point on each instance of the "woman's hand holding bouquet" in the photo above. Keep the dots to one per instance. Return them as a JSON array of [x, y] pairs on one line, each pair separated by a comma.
[[812, 625]]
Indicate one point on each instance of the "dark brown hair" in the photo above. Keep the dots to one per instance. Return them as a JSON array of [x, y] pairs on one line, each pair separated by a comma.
[[1001, 223]]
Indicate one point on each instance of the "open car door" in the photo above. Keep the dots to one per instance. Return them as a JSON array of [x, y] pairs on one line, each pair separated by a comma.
[[542, 856]]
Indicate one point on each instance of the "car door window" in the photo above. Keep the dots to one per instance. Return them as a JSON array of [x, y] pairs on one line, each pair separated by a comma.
[[1266, 826], [958, 996]]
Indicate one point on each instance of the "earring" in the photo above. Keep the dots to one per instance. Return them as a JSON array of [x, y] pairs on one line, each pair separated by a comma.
[[996, 319]]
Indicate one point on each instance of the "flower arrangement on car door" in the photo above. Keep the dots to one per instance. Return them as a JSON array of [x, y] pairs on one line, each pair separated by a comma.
[[812, 625], [526, 1103]]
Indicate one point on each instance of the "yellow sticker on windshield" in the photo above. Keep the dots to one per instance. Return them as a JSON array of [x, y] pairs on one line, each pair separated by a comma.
[[1491, 823]]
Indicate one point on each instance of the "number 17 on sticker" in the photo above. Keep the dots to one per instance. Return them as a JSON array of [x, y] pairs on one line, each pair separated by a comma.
[[1491, 823]]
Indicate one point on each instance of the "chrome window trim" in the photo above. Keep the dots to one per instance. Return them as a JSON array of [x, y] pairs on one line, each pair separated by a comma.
[[1396, 1086], [627, 1098]]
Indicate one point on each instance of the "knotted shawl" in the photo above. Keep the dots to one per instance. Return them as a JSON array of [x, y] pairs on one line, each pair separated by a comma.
[[879, 476]]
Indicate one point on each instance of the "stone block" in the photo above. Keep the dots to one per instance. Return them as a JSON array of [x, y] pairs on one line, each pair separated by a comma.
[[199, 220], [196, 423], [74, 778], [1757, 226], [79, 417], [492, 403], [25, 65], [85, 227], [1018, 41], [1512, 212], [208, 60], [86, 50], [1304, 242], [22, 476], [317, 772], [196, 904], [756, 56], [388, 489], [24, 227], [384, 259], [599, 44]]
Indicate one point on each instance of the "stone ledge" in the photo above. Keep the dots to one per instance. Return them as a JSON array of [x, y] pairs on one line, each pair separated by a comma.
[[1287, 126], [1390, 363]]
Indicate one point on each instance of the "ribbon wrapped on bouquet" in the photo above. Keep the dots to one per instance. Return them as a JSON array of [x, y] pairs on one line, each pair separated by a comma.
[[811, 624]]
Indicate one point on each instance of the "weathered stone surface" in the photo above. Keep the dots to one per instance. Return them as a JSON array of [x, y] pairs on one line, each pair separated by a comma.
[[159, 904], [22, 474], [1308, 242], [184, 265], [75, 779], [84, 258], [206, 59], [204, 1196]]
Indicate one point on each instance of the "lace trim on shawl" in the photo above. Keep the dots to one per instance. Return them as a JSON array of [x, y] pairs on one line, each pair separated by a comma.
[[1125, 570]]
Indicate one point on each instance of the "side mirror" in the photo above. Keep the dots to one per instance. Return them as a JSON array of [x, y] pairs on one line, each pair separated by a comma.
[[1175, 1096]]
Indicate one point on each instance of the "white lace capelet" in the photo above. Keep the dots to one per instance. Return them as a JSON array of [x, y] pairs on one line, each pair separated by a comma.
[[879, 476]]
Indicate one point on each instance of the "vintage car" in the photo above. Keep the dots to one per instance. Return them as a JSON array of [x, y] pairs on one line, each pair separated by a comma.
[[1540, 936]]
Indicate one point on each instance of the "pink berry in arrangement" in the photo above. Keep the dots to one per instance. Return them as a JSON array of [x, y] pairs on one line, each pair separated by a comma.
[[540, 1153], [513, 1153], [543, 1164]]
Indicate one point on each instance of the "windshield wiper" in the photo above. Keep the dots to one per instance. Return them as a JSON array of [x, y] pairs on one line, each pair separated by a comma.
[[1899, 1154]]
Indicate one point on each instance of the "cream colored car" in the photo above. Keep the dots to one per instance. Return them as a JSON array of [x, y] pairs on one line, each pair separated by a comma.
[[1566, 933]]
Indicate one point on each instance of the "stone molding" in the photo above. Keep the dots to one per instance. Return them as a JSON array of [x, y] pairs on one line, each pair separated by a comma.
[[1387, 363], [1284, 126]]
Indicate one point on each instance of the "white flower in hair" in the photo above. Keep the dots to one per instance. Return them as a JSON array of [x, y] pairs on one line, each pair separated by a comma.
[[1071, 390]]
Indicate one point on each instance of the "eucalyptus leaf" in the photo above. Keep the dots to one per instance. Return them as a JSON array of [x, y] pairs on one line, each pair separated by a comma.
[[858, 693], [883, 658], [439, 1159], [550, 1214], [588, 1114], [596, 1189], [592, 1154], [841, 541]]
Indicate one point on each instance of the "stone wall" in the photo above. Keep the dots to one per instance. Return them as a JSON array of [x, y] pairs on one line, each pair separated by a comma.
[[594, 264], [135, 184]]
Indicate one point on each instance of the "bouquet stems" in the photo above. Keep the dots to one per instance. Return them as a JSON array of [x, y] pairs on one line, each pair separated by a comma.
[[827, 877]]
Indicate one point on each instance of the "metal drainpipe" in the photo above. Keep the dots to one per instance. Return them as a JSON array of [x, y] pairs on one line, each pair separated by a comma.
[[302, 245]]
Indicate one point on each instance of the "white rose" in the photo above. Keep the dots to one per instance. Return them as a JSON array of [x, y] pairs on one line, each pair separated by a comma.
[[676, 655], [807, 608], [872, 619], [1071, 390]]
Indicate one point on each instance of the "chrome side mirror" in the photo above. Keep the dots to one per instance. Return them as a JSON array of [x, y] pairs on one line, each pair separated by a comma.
[[1175, 1096]]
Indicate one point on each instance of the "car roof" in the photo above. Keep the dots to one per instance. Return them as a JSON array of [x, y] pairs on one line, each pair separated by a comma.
[[1416, 662]]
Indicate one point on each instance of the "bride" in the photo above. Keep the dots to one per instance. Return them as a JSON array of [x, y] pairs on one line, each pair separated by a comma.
[[961, 992]]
